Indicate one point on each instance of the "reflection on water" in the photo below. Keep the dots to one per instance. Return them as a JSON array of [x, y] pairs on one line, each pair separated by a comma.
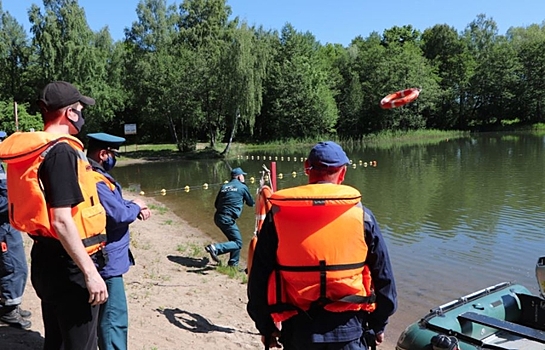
[[458, 215]]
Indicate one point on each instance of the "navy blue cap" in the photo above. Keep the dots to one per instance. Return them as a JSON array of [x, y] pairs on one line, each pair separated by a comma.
[[237, 172], [3, 134], [327, 154], [105, 141]]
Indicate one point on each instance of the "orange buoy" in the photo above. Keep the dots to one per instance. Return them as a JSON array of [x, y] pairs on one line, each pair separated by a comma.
[[399, 98]]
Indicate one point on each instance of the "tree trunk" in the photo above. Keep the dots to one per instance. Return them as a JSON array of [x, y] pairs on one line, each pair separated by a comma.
[[226, 150], [173, 131]]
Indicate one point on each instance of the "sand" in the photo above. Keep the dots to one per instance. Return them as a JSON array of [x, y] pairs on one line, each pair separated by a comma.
[[177, 298]]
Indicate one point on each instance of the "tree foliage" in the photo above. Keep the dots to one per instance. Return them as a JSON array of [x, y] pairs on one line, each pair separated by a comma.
[[192, 72]]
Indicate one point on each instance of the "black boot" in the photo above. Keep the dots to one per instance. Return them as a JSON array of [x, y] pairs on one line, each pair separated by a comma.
[[14, 318]]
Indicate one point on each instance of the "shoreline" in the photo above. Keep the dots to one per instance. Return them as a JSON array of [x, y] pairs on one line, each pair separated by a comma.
[[397, 323]]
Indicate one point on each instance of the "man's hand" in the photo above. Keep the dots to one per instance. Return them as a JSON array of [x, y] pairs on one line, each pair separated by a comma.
[[379, 338], [98, 292], [66, 229], [273, 343], [144, 214]]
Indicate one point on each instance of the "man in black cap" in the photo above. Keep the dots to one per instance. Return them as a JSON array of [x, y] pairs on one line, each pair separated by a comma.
[[52, 190], [229, 202], [13, 265], [321, 267], [113, 320]]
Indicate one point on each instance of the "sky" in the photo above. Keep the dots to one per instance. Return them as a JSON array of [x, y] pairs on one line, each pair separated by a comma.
[[332, 21]]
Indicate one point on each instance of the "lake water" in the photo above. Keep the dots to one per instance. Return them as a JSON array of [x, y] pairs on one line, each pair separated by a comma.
[[458, 215]]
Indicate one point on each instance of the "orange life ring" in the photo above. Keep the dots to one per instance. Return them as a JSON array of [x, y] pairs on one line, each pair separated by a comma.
[[399, 98], [262, 206]]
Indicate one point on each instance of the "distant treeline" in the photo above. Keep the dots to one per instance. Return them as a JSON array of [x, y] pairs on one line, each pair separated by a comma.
[[190, 72]]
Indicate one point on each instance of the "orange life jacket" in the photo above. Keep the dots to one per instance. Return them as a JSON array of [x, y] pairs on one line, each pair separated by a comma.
[[99, 177], [321, 251], [24, 152]]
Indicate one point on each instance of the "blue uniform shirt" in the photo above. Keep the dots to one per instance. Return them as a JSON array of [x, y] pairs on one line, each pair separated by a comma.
[[3, 196], [231, 198], [119, 214]]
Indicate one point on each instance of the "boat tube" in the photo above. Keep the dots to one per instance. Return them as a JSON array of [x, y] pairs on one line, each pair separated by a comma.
[[503, 316]]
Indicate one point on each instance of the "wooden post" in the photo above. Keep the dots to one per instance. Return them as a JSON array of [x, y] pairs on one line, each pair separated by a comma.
[[16, 116]]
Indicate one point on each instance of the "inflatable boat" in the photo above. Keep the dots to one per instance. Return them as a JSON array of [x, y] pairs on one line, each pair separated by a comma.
[[503, 316]]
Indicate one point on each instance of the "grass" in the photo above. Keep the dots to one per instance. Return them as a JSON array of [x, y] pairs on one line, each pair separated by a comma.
[[384, 139], [161, 209], [392, 139], [194, 250], [203, 151], [233, 272], [167, 151]]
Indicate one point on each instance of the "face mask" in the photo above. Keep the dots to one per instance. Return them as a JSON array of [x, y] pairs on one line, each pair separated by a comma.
[[79, 123], [109, 163]]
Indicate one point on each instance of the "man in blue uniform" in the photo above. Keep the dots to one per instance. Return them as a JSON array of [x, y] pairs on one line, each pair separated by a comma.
[[229, 203], [318, 328], [13, 266], [113, 317]]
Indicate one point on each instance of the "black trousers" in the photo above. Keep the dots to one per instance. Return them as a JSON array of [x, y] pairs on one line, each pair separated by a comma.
[[70, 322]]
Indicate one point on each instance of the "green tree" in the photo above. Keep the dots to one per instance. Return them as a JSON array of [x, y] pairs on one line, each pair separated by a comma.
[[530, 44], [448, 53], [298, 102], [25, 121], [232, 64], [65, 48], [63, 42], [152, 74], [14, 55]]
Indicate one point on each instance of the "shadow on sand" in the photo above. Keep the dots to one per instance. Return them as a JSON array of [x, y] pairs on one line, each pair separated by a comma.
[[199, 265], [19, 339], [192, 322]]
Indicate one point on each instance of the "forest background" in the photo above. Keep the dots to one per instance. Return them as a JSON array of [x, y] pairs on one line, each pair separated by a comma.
[[188, 73]]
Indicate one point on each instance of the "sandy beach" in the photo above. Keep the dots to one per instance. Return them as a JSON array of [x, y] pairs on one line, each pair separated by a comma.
[[177, 299]]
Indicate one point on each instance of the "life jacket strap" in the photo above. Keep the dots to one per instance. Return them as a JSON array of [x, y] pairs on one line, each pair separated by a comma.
[[278, 282], [281, 307], [321, 267], [322, 301], [90, 241], [323, 280], [358, 299]]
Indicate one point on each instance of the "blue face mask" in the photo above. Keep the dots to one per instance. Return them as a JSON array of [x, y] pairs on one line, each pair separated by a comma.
[[109, 163]]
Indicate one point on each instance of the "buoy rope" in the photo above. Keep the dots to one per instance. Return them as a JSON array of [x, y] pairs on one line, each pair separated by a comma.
[[264, 176]]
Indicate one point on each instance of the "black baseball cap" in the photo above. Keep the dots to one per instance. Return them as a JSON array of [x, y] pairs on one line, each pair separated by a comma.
[[59, 94]]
